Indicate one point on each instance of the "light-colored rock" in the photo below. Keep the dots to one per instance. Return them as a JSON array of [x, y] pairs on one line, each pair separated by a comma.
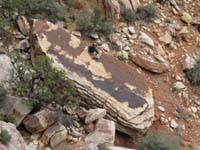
[[193, 109], [187, 18], [58, 137], [117, 148], [16, 107], [104, 133], [173, 124], [6, 69], [16, 141], [23, 25], [179, 86], [146, 39], [131, 30], [122, 55], [51, 134], [105, 47], [94, 36], [188, 63], [94, 114], [166, 38], [160, 108], [76, 33], [40, 121], [112, 8]]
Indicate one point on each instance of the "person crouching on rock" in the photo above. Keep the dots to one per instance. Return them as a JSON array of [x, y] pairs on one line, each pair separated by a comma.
[[93, 51]]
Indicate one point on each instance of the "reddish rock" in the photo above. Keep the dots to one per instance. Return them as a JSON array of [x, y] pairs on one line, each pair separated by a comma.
[[149, 63]]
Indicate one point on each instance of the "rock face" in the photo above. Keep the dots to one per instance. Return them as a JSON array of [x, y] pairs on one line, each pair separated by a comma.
[[16, 141], [104, 133], [6, 68], [112, 8], [131, 4], [106, 83], [41, 120], [149, 64], [15, 107]]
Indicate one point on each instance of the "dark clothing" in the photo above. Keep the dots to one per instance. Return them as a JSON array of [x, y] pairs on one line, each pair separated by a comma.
[[92, 49]]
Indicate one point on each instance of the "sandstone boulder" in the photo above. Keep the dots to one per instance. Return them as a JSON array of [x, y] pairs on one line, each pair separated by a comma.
[[104, 133], [41, 120], [16, 141]]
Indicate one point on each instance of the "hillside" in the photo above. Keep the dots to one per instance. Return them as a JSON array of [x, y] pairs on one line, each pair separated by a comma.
[[99, 75]]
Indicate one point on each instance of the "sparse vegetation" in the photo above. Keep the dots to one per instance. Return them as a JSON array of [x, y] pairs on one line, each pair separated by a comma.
[[46, 9], [6, 117], [5, 137], [158, 141], [146, 13], [193, 75], [3, 93], [44, 83], [162, 1], [95, 23], [128, 15]]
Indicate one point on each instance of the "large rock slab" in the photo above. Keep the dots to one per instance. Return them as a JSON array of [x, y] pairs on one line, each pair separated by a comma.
[[104, 83], [16, 141]]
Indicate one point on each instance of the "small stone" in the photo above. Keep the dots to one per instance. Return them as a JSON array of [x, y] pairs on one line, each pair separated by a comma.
[[131, 30], [122, 55], [146, 39], [166, 38], [186, 18], [193, 109], [179, 85], [94, 36], [105, 47], [76, 33], [173, 124], [188, 63], [160, 108]]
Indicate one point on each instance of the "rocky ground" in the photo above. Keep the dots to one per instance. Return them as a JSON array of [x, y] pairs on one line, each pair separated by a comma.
[[138, 82]]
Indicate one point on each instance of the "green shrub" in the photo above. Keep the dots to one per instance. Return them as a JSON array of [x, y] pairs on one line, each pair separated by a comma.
[[147, 12], [95, 23], [193, 75], [162, 1], [69, 2], [128, 15], [6, 117], [3, 93], [5, 137], [158, 141], [45, 9], [44, 83]]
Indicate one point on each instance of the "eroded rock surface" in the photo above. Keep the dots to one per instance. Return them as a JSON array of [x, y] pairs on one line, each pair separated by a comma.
[[106, 83], [16, 141]]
